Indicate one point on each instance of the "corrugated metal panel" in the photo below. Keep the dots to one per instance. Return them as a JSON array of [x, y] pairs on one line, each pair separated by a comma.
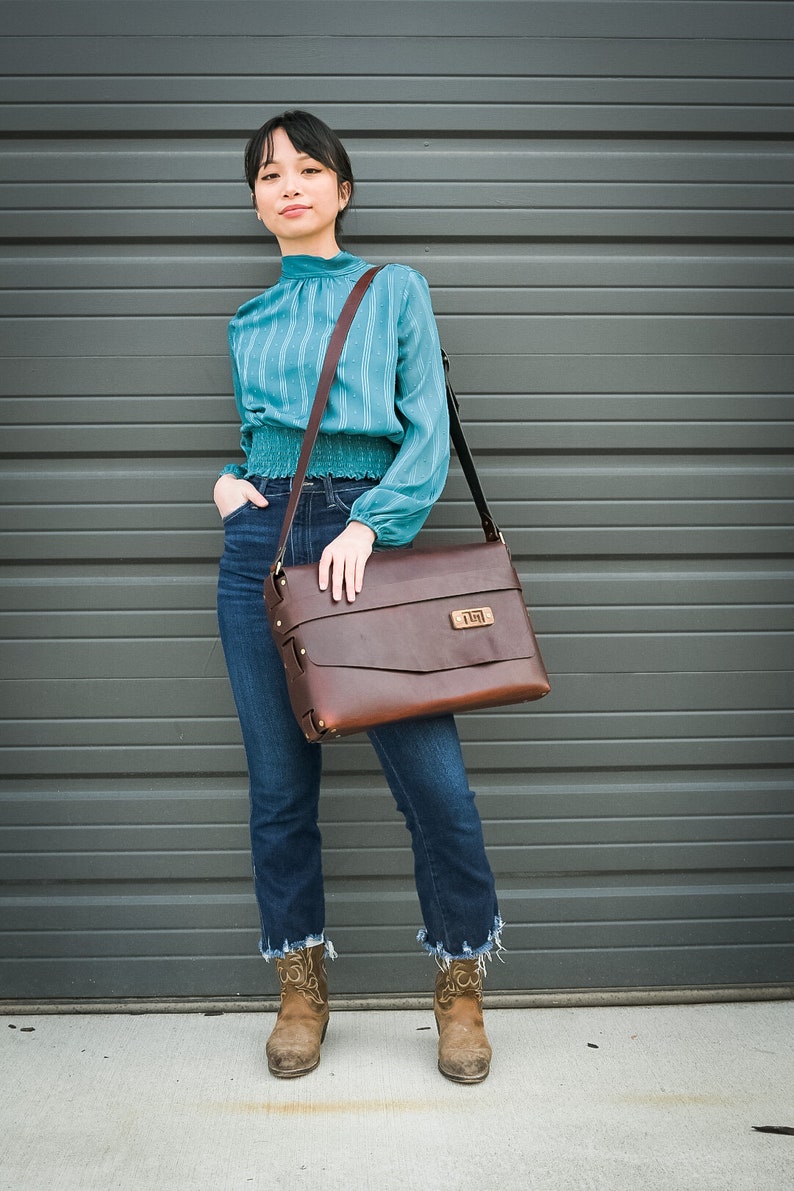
[[600, 197]]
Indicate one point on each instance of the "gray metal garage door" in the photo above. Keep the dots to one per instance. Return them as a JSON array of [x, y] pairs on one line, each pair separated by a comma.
[[600, 197]]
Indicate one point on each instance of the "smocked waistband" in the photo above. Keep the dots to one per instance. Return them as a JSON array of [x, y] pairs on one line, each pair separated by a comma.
[[275, 450]]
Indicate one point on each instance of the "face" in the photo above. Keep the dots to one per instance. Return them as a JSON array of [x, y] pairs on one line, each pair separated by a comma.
[[298, 200]]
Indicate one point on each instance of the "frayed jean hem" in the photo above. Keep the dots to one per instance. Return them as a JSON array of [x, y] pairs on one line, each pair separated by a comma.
[[443, 957], [269, 953]]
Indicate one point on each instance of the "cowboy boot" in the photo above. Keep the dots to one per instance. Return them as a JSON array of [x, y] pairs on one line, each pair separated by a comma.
[[293, 1047], [464, 1054]]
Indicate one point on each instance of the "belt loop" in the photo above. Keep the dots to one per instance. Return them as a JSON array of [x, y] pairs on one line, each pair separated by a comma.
[[328, 485]]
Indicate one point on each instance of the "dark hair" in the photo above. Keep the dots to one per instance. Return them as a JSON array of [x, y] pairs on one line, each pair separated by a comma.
[[309, 135]]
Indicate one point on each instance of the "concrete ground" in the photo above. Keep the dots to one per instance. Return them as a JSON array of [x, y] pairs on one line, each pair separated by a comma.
[[651, 1098]]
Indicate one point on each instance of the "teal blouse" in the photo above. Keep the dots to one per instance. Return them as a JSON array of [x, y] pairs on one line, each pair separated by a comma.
[[386, 417]]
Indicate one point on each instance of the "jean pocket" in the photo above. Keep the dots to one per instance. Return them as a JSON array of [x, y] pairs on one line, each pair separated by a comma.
[[236, 512], [346, 494]]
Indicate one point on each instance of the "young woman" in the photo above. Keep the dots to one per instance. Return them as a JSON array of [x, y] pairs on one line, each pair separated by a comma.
[[379, 464]]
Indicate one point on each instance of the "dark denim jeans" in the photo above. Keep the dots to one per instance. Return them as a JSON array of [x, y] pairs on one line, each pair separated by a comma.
[[421, 758]]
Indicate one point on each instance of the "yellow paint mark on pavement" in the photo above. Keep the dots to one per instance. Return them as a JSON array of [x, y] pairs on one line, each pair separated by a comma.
[[319, 1107]]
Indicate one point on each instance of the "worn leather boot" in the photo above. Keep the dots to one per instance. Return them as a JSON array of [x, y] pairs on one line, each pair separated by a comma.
[[293, 1047], [464, 1054]]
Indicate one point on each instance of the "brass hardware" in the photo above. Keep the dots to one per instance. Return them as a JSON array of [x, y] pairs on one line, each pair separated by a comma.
[[471, 618], [303, 651], [278, 624], [322, 723]]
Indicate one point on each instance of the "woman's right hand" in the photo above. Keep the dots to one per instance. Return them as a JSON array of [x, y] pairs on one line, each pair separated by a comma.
[[230, 493]]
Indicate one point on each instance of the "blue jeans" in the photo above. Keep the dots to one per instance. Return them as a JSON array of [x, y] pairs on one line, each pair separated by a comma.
[[421, 758]]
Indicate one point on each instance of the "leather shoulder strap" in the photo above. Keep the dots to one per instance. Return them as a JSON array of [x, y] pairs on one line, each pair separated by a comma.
[[463, 451]]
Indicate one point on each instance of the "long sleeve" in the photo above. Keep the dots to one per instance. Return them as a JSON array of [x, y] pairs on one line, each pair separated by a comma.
[[398, 507], [238, 469]]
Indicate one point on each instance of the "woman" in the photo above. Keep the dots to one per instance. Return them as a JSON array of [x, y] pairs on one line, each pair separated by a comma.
[[379, 464]]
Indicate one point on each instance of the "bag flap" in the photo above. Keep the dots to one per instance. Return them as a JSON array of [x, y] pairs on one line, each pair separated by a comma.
[[420, 640], [394, 578]]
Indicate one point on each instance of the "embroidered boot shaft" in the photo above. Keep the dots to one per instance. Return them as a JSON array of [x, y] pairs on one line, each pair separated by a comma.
[[464, 1053], [293, 1047]]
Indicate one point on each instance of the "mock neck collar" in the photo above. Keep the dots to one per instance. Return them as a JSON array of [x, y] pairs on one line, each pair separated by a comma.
[[296, 267]]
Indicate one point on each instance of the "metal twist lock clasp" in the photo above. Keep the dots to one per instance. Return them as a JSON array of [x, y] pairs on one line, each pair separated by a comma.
[[471, 618]]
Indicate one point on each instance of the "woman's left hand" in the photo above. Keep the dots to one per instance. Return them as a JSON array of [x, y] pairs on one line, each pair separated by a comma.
[[343, 561]]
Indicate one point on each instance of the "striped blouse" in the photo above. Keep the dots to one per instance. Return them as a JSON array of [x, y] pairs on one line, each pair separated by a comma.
[[386, 417]]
